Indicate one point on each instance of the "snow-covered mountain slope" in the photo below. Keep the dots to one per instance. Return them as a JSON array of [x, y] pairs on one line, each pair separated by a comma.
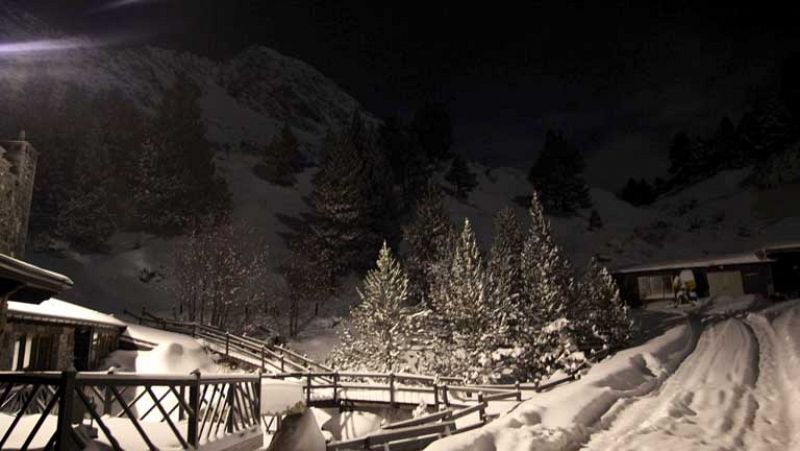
[[245, 98]]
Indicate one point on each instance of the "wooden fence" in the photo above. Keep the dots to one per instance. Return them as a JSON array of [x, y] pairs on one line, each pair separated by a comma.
[[196, 408], [245, 350]]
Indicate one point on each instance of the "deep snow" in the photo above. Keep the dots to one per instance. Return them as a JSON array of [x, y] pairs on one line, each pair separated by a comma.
[[729, 384]]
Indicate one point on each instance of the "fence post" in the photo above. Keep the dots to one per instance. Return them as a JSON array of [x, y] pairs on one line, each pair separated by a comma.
[[308, 389], [229, 400], [64, 425], [263, 356], [436, 392], [194, 403], [336, 386], [194, 330], [283, 362], [258, 400], [181, 411], [445, 398], [519, 391], [482, 411], [108, 400], [391, 389], [227, 343]]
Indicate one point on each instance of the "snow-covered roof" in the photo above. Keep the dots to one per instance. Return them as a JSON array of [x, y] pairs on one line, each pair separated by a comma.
[[56, 310], [785, 246], [720, 260], [28, 282]]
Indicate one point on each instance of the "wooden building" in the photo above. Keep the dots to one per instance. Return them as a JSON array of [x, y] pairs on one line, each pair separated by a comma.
[[38, 332], [785, 267], [731, 275]]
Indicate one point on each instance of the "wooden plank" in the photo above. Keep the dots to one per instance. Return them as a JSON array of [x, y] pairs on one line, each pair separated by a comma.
[[444, 414]]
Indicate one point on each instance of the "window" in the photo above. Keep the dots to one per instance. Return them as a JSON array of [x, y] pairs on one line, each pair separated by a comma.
[[22, 353], [655, 287], [43, 353]]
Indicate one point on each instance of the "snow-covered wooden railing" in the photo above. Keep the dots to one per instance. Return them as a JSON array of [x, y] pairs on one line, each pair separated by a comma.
[[246, 350], [197, 408]]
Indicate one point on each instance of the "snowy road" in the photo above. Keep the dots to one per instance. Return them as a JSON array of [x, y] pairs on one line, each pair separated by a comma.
[[730, 384], [735, 391]]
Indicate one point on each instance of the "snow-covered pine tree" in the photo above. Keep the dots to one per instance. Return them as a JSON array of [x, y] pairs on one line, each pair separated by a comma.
[[427, 238], [378, 336], [546, 339], [504, 271], [548, 283], [460, 176], [466, 326], [605, 315]]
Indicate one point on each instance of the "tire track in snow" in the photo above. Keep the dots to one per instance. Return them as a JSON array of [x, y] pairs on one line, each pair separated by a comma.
[[707, 403], [776, 392]]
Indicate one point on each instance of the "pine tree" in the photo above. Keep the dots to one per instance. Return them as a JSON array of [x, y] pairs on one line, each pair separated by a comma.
[[546, 339], [190, 188], [409, 163], [461, 177], [680, 151], [465, 323], [434, 131], [281, 158], [595, 221], [86, 217], [379, 335], [504, 264], [427, 239], [352, 202], [604, 316], [557, 175]]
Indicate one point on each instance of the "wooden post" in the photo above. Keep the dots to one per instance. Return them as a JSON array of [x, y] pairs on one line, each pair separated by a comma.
[[229, 401], [308, 390], [445, 398], [192, 435], [258, 399], [194, 330], [391, 389], [263, 356], [181, 411], [519, 391], [108, 397], [436, 394], [283, 362], [336, 386], [482, 411], [227, 343], [64, 425]]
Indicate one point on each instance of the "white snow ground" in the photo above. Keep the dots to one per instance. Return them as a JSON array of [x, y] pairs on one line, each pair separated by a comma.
[[728, 384]]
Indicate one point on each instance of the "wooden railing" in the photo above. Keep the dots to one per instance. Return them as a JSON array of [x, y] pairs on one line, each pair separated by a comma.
[[247, 350], [196, 408]]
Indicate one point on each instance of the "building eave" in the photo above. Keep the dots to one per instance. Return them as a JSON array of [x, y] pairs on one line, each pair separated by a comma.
[[29, 283]]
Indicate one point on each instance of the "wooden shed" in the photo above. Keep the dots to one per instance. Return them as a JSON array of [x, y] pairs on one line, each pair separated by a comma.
[[731, 275]]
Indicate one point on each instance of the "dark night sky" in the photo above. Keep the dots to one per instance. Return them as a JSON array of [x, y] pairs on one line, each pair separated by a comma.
[[620, 79]]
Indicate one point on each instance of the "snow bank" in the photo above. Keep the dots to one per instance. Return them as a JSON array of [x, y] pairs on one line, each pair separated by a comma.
[[558, 418]]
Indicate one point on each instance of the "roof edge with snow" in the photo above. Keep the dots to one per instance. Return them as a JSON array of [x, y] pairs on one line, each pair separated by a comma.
[[29, 283], [748, 258]]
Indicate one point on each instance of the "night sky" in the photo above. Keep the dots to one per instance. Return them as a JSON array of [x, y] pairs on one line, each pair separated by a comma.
[[619, 79]]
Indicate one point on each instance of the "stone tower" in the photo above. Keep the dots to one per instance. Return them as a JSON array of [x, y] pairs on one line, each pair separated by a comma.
[[17, 172]]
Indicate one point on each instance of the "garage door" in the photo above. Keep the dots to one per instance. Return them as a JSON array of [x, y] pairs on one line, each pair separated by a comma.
[[725, 283]]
